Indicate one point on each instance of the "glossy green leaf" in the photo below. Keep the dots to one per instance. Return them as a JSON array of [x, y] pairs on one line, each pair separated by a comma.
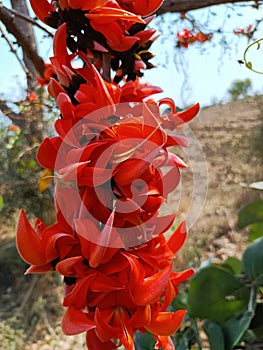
[[235, 328], [252, 260], [256, 231], [187, 337], [144, 341], [215, 335], [250, 214], [234, 265], [216, 294]]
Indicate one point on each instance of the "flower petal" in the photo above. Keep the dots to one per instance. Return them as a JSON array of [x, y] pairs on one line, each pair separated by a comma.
[[166, 323], [177, 239], [42, 8], [105, 15], [76, 321], [48, 151], [94, 343], [149, 290], [29, 243]]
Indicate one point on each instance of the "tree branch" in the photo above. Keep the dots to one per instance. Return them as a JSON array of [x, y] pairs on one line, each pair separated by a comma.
[[17, 118], [13, 50], [21, 37], [28, 19], [187, 5]]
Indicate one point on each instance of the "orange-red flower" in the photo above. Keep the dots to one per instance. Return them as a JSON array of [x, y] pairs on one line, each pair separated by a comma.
[[113, 172], [127, 293], [187, 37], [110, 293], [143, 8], [48, 74], [102, 27]]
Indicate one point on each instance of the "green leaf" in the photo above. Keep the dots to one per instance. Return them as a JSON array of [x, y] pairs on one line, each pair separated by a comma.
[[234, 265], [2, 204], [256, 231], [216, 294], [180, 343], [185, 338], [180, 301], [215, 335], [252, 260], [144, 341], [235, 328], [250, 214]]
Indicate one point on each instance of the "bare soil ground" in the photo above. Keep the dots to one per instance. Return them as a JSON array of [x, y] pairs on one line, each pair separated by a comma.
[[231, 137]]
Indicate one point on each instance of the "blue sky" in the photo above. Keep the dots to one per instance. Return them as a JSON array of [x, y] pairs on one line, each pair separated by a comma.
[[204, 72], [200, 73]]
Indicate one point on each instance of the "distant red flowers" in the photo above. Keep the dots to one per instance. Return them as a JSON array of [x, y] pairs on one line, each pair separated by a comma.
[[187, 37], [247, 31], [114, 169]]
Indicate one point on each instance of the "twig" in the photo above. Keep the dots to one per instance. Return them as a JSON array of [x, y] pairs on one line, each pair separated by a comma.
[[23, 39], [7, 246], [45, 318], [13, 50], [28, 19], [27, 295], [17, 119]]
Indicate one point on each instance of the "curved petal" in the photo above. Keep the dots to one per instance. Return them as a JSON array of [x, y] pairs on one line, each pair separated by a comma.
[[149, 290], [48, 151], [85, 5], [77, 296], [179, 277], [76, 321], [164, 343], [29, 243], [39, 269], [94, 343], [105, 15], [54, 88], [188, 114], [42, 8], [166, 323], [177, 239], [72, 267], [104, 330], [145, 8]]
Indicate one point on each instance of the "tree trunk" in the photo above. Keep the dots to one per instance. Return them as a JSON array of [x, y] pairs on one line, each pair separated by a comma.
[[25, 36]]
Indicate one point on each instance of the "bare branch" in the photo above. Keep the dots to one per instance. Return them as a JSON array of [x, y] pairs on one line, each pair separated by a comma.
[[21, 37], [28, 19], [16, 118], [13, 50], [187, 5]]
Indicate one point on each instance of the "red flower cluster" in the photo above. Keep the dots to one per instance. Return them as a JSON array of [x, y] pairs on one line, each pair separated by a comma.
[[114, 170], [248, 31], [100, 27], [187, 37]]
